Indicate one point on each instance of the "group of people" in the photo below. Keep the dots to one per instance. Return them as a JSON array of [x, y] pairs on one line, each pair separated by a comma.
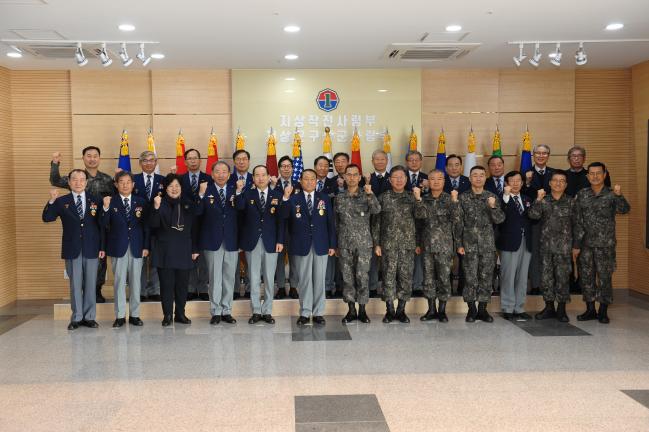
[[401, 227]]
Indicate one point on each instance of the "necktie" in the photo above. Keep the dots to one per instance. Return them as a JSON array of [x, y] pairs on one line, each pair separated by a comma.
[[413, 180], [285, 184], [127, 208], [499, 186], [379, 176], [79, 205], [455, 184], [541, 172], [519, 206], [147, 187], [241, 177], [309, 204], [222, 197], [262, 198], [194, 183], [319, 185]]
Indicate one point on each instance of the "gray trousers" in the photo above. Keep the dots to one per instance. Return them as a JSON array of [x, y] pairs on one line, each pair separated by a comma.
[[83, 287], [311, 270], [513, 278], [127, 267], [280, 271], [221, 265], [199, 276], [261, 262]]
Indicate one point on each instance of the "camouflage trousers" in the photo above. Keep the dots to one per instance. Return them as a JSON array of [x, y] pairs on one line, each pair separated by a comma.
[[555, 276], [478, 273], [398, 266], [596, 267], [355, 267], [437, 271]]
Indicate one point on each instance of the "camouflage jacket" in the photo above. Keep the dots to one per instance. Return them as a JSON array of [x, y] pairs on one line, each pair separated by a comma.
[[557, 222], [353, 219], [101, 185], [475, 232], [595, 217], [440, 219], [394, 227]]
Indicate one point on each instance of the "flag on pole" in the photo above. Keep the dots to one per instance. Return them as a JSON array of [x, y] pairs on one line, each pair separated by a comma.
[[470, 159], [526, 153], [150, 146], [387, 148], [440, 163], [240, 143], [356, 151], [298, 165], [124, 161], [326, 151], [271, 155], [212, 153], [495, 144], [412, 141], [181, 168]]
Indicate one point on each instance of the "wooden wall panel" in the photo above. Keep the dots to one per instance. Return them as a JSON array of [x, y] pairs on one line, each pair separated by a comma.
[[553, 128], [536, 91], [456, 130], [196, 131], [466, 90], [105, 131], [191, 92], [111, 92], [8, 291]]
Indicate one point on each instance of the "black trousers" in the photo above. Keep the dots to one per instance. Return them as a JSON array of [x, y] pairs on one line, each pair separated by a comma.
[[173, 285]]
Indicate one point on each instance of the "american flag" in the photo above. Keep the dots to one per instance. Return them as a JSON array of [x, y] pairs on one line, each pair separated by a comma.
[[298, 165]]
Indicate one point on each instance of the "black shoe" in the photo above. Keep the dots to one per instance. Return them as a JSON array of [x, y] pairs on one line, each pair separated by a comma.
[[136, 321], [100, 298], [246, 295], [155, 297], [215, 319], [119, 322], [338, 293], [374, 294], [302, 321], [228, 319], [73, 325], [268, 319], [547, 312], [143, 299], [182, 319], [508, 316], [590, 313], [192, 296], [254, 319], [236, 295], [431, 314], [281, 293], [417, 293], [562, 316], [535, 291], [319, 320], [292, 293], [602, 316], [389, 312], [441, 313], [483, 315], [90, 323], [166, 321], [328, 294], [204, 296], [472, 314], [362, 314], [522, 316], [351, 314], [401, 312]]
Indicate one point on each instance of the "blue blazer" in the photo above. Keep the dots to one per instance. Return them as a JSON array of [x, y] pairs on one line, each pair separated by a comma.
[[317, 230], [538, 182], [269, 225], [121, 232], [80, 236], [219, 223], [186, 184], [234, 177], [490, 185], [156, 187], [380, 185], [280, 186], [420, 177], [511, 230], [463, 186]]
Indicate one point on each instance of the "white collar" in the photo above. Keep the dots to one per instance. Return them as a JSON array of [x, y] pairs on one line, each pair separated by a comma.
[[122, 197], [413, 172], [82, 195], [265, 191], [384, 173], [537, 168]]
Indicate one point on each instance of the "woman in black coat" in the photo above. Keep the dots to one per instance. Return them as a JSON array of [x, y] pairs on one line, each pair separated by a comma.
[[173, 217]]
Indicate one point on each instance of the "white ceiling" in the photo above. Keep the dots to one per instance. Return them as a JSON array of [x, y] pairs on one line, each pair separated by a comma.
[[335, 33]]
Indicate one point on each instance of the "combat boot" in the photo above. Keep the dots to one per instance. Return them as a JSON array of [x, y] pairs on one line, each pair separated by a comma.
[[441, 315], [602, 317], [351, 314], [362, 314], [561, 312], [389, 311], [432, 311], [401, 312], [590, 313], [548, 312], [483, 315], [472, 313]]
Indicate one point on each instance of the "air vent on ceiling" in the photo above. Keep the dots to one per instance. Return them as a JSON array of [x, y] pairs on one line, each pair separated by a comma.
[[425, 52], [59, 50]]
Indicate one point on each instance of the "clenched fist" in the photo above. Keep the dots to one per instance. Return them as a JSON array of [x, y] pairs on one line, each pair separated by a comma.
[[492, 202], [240, 185], [156, 202], [540, 194], [617, 190], [341, 182], [54, 194], [528, 177], [106, 202], [416, 192], [202, 188], [425, 184], [56, 157], [507, 190], [273, 181], [454, 195], [173, 169], [368, 188], [288, 190]]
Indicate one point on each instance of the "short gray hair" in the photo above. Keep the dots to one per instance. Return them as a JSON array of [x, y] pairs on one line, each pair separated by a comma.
[[147, 153], [545, 146], [414, 152], [378, 152], [220, 162], [577, 148]]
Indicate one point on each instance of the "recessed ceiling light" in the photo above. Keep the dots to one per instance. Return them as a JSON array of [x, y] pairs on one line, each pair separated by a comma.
[[453, 28], [157, 56], [291, 56], [552, 54], [14, 54], [615, 26], [381, 90], [126, 27], [289, 79], [291, 29], [289, 91]]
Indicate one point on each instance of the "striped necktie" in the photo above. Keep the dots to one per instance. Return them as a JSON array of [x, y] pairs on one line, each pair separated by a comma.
[[127, 208], [79, 205], [262, 200], [194, 183], [519, 206], [147, 186], [309, 204], [222, 197]]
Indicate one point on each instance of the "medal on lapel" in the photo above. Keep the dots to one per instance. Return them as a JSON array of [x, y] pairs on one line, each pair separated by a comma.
[[211, 197], [298, 214], [138, 212], [93, 209]]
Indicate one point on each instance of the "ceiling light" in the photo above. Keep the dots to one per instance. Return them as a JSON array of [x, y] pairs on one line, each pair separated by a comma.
[[615, 26], [14, 54], [382, 90], [289, 91], [580, 57], [103, 56], [534, 61], [126, 27], [157, 56], [289, 79], [291, 29], [142, 57], [556, 58], [126, 60], [521, 57], [81, 58], [453, 28], [291, 56]]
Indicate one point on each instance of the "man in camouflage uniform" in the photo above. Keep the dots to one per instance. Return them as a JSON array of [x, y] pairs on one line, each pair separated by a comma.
[[440, 213], [557, 215], [479, 211], [594, 240], [395, 239], [353, 207], [99, 184]]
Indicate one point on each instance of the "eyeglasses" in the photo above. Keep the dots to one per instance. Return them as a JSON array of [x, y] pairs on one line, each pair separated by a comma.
[[538, 153], [149, 161]]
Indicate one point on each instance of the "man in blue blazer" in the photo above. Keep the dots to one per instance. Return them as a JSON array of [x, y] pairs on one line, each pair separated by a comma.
[[124, 219], [218, 240], [515, 245], [81, 245], [312, 238], [262, 239], [454, 180]]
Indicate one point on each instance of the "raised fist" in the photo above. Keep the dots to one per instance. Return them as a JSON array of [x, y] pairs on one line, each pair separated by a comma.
[[528, 177], [240, 185], [424, 184], [617, 190], [368, 188], [341, 182], [156, 202], [118, 170], [273, 181], [288, 190], [54, 194], [507, 190], [56, 157], [492, 202], [173, 169], [461, 251], [540, 194], [454, 195], [202, 188], [416, 192], [106, 202]]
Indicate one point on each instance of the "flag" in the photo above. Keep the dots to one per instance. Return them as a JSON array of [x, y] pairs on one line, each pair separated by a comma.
[[412, 141], [271, 155], [298, 165], [440, 163], [240, 143], [326, 151], [124, 161], [495, 145], [356, 151], [526, 154], [387, 148], [212, 153], [181, 168], [470, 159], [150, 146]]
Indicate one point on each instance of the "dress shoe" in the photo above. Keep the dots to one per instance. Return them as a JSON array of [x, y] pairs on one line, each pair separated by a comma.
[[362, 314], [562, 316], [389, 312], [374, 294], [281, 293], [328, 294], [319, 320], [228, 319], [547, 312], [155, 297], [204, 296], [119, 322], [100, 298], [246, 295], [90, 323], [292, 293], [602, 316], [268, 319], [254, 319], [401, 312], [590, 313], [417, 293], [182, 319], [192, 296], [236, 295], [351, 313], [508, 316], [472, 314], [73, 325], [483, 315], [522, 316], [136, 321], [166, 321], [143, 299], [338, 293], [441, 313], [215, 319], [302, 321], [431, 314]]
